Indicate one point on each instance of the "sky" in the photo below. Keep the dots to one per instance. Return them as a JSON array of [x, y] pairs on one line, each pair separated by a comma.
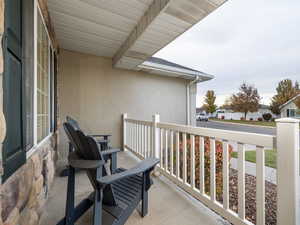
[[255, 41]]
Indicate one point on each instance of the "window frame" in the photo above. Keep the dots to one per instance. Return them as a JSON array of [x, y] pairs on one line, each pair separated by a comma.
[[36, 143]]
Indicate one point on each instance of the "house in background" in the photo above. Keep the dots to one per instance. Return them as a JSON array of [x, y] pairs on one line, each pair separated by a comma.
[[289, 109], [225, 112]]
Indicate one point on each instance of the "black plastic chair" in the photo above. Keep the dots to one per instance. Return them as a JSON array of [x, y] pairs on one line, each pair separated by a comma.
[[115, 196], [102, 139]]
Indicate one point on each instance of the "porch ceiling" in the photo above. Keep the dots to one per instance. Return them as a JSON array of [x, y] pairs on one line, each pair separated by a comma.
[[127, 31]]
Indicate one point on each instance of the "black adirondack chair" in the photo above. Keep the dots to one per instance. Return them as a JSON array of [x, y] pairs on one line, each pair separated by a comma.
[[102, 140], [116, 193]]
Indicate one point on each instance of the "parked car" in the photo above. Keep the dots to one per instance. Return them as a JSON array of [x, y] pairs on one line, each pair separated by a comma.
[[202, 117]]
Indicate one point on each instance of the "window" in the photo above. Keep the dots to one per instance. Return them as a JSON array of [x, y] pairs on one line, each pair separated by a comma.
[[28, 74], [291, 112], [43, 81]]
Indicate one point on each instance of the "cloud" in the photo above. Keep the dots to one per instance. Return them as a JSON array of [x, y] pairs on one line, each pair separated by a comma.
[[253, 41]]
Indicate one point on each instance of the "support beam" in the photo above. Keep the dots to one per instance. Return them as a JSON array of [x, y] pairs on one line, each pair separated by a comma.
[[153, 11]]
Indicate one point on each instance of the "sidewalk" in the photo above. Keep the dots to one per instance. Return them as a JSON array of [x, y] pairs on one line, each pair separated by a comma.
[[250, 168]]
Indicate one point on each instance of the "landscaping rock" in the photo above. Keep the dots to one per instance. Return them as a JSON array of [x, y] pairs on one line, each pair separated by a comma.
[[250, 195]]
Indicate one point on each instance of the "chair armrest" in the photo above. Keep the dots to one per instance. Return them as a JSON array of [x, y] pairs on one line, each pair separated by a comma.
[[79, 163], [144, 166], [110, 152], [100, 135], [102, 140]]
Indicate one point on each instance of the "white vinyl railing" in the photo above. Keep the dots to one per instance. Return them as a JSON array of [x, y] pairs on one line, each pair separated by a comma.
[[180, 148]]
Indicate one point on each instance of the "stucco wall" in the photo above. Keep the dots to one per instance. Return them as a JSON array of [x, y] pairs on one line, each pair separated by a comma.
[[96, 94]]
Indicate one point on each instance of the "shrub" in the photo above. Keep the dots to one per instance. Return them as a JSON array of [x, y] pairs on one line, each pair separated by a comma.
[[242, 118], [251, 119], [267, 116], [222, 117], [259, 119], [219, 164]]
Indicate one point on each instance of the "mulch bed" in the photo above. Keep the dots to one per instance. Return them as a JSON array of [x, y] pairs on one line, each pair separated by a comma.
[[250, 195]]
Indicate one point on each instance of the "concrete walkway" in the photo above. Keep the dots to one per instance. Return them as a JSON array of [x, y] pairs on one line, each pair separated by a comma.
[[250, 168], [167, 204]]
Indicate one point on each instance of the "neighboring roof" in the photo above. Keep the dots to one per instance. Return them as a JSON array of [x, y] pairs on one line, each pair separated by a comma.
[[289, 101], [199, 110], [163, 67], [261, 106]]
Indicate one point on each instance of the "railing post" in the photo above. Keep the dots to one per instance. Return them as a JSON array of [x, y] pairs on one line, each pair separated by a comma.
[[288, 171], [155, 133], [124, 131]]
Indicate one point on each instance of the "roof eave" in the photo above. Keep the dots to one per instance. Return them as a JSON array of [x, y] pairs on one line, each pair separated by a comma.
[[178, 72]]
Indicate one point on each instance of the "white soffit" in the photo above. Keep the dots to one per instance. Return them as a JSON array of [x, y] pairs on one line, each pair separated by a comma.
[[129, 31]]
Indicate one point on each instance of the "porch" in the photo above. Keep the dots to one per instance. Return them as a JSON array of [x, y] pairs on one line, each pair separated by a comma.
[[168, 205], [99, 67]]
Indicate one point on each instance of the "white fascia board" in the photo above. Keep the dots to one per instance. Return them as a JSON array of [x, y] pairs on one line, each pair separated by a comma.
[[175, 70]]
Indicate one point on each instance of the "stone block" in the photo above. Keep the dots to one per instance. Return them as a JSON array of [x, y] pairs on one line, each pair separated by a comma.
[[28, 217], [13, 218], [37, 165], [36, 189], [25, 184], [9, 196]]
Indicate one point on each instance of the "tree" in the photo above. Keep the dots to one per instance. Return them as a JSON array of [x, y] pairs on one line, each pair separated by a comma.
[[297, 102], [209, 105], [285, 91], [246, 100]]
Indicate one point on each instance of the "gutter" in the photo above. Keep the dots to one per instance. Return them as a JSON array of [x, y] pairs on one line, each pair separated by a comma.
[[188, 99]]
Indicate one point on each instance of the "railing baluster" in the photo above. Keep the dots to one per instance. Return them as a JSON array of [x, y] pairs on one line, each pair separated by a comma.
[[260, 186], [241, 181], [184, 158], [161, 147], [177, 156], [135, 137], [192, 154], [138, 139], [166, 150], [213, 169], [145, 142], [150, 141], [225, 175], [202, 166], [172, 152]]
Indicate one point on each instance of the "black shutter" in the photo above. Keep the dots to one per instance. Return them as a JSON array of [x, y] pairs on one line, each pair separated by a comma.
[[13, 153]]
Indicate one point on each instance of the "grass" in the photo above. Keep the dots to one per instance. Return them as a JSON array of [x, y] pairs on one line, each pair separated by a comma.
[[270, 157], [248, 122]]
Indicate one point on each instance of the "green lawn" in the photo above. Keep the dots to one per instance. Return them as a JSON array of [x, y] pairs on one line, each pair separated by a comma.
[[270, 157], [258, 123]]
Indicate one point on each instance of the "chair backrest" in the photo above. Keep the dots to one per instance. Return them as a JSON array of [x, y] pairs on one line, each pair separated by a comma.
[[87, 148], [73, 122]]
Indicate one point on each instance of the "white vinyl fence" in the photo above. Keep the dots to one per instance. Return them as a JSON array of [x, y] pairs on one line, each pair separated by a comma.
[[180, 148]]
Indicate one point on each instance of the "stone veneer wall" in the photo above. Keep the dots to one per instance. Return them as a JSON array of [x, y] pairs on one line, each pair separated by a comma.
[[23, 195]]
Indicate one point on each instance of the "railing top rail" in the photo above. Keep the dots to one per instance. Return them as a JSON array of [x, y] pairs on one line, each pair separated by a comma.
[[237, 136], [142, 122]]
